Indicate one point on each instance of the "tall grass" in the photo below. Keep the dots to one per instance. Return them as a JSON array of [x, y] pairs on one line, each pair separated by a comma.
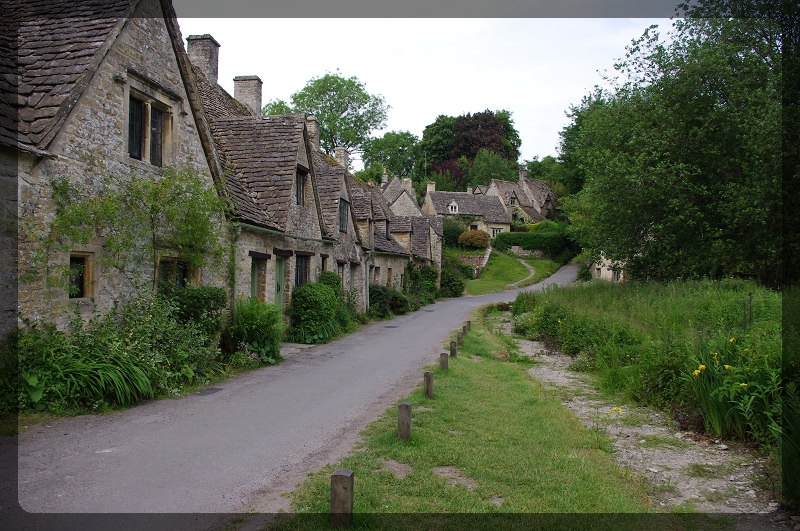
[[715, 346]]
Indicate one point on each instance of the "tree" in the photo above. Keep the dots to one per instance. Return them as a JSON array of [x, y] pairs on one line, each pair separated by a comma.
[[681, 161], [437, 141], [488, 165], [346, 112], [396, 151]]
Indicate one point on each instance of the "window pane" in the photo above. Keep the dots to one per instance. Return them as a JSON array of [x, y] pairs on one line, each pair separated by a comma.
[[135, 131], [156, 136], [77, 277]]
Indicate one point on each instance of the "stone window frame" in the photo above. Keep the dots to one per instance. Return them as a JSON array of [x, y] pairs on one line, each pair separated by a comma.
[[302, 268], [87, 275], [453, 208], [191, 273], [496, 231], [258, 275], [300, 180], [160, 105]]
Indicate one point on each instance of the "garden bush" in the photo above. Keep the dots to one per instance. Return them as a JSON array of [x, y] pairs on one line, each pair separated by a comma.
[[453, 280], [257, 329], [205, 305], [474, 239], [451, 230], [385, 301], [420, 283], [314, 311]]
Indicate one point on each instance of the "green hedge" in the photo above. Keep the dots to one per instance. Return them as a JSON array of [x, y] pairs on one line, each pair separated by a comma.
[[314, 311]]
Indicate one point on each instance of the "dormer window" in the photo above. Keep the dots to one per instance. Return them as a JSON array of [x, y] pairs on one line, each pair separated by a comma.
[[452, 208], [513, 200], [344, 206]]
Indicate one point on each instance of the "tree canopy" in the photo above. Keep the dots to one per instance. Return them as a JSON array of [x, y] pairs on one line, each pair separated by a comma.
[[395, 150], [346, 112], [678, 164]]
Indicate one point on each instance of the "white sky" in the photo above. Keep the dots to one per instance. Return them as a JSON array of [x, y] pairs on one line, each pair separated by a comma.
[[534, 67]]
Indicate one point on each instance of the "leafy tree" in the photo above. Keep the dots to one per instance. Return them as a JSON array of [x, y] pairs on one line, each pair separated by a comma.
[[395, 150], [437, 141], [346, 112], [681, 160], [488, 165], [484, 130], [551, 170]]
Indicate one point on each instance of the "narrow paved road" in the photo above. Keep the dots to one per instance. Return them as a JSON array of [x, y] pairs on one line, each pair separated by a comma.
[[236, 446]]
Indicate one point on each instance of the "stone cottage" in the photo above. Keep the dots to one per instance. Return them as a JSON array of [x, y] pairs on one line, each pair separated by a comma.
[[527, 200], [108, 92], [480, 212]]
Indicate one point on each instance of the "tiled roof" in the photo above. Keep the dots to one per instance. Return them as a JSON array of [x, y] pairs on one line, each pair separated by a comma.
[[488, 207], [217, 103], [262, 153], [393, 189], [400, 224], [539, 191], [387, 244], [508, 189], [330, 177], [360, 198], [59, 46]]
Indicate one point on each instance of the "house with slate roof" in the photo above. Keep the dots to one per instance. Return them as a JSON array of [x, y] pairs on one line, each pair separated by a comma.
[[481, 212], [102, 87], [527, 200]]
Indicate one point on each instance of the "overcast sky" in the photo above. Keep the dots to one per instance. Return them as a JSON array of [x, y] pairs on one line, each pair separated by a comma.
[[534, 67]]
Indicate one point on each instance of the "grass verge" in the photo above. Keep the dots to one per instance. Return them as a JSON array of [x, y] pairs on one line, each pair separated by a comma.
[[509, 447], [500, 271]]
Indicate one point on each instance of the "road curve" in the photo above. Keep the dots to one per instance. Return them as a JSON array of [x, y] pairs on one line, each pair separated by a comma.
[[240, 444]]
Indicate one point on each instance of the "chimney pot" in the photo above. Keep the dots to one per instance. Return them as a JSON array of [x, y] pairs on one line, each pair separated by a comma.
[[247, 89], [431, 186], [203, 51], [469, 190], [313, 130], [523, 174]]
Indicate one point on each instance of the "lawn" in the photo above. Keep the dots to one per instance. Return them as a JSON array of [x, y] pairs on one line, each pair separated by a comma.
[[500, 271]]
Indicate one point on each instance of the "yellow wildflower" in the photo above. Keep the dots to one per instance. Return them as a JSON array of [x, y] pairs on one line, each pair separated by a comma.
[[742, 384], [702, 367], [732, 339], [727, 367], [696, 372]]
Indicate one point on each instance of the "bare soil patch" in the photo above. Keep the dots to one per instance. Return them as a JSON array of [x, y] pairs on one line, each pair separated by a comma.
[[685, 470]]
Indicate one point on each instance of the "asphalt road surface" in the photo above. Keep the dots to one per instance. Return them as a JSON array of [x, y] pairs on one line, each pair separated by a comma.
[[237, 446]]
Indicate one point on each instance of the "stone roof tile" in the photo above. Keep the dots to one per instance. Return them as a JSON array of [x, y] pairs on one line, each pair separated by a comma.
[[488, 207]]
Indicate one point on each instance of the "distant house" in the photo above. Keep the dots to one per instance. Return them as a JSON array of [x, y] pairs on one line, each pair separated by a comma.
[[527, 200], [481, 212]]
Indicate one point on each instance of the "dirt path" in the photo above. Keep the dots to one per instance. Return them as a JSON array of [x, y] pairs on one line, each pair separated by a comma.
[[685, 471]]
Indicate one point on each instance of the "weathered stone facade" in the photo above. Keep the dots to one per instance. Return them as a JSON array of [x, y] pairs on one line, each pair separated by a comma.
[[89, 143]]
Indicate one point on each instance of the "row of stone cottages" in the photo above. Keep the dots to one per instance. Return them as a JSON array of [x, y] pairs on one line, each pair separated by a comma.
[[107, 87]]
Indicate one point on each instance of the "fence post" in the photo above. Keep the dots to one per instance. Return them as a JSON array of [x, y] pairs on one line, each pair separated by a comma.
[[469, 326], [429, 384], [443, 361], [404, 420], [453, 349], [464, 330], [460, 338], [341, 497]]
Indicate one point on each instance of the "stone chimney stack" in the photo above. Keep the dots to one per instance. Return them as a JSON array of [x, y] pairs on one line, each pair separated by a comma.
[[247, 89], [342, 157], [203, 52], [431, 186], [523, 174], [313, 130], [469, 190], [407, 185], [384, 177]]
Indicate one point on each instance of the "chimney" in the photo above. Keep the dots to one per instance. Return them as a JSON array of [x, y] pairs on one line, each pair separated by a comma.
[[469, 190], [313, 130], [203, 52], [407, 185], [523, 174], [342, 157], [384, 177], [247, 89], [431, 186]]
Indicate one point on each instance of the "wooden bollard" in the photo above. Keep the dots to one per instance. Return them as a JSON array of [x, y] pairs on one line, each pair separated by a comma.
[[453, 349], [460, 339], [464, 330], [404, 421], [443, 361], [429, 382], [469, 326], [341, 497]]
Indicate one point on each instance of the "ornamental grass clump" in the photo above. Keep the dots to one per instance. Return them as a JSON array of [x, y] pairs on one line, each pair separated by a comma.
[[257, 330]]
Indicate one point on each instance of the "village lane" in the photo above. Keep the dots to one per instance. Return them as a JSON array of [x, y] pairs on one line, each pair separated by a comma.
[[228, 448]]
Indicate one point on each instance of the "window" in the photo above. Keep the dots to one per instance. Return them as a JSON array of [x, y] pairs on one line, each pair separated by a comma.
[[389, 277], [173, 273], [616, 275], [80, 275], [300, 186], [340, 271], [452, 208], [258, 279], [513, 200], [324, 259], [344, 205], [496, 231], [301, 270], [146, 127], [377, 275]]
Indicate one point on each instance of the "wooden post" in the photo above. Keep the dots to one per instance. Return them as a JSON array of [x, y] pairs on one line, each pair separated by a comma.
[[429, 383], [469, 326], [341, 498], [460, 339], [453, 349], [443, 361], [404, 420], [464, 330]]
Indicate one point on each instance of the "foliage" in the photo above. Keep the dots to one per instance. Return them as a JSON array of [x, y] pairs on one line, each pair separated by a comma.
[[552, 171], [452, 280], [396, 151], [346, 313], [486, 166], [474, 239], [550, 240], [690, 138], [141, 349], [204, 305], [257, 330], [500, 271], [420, 283], [314, 310], [484, 130], [637, 339], [385, 301], [452, 229], [139, 219], [346, 112]]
